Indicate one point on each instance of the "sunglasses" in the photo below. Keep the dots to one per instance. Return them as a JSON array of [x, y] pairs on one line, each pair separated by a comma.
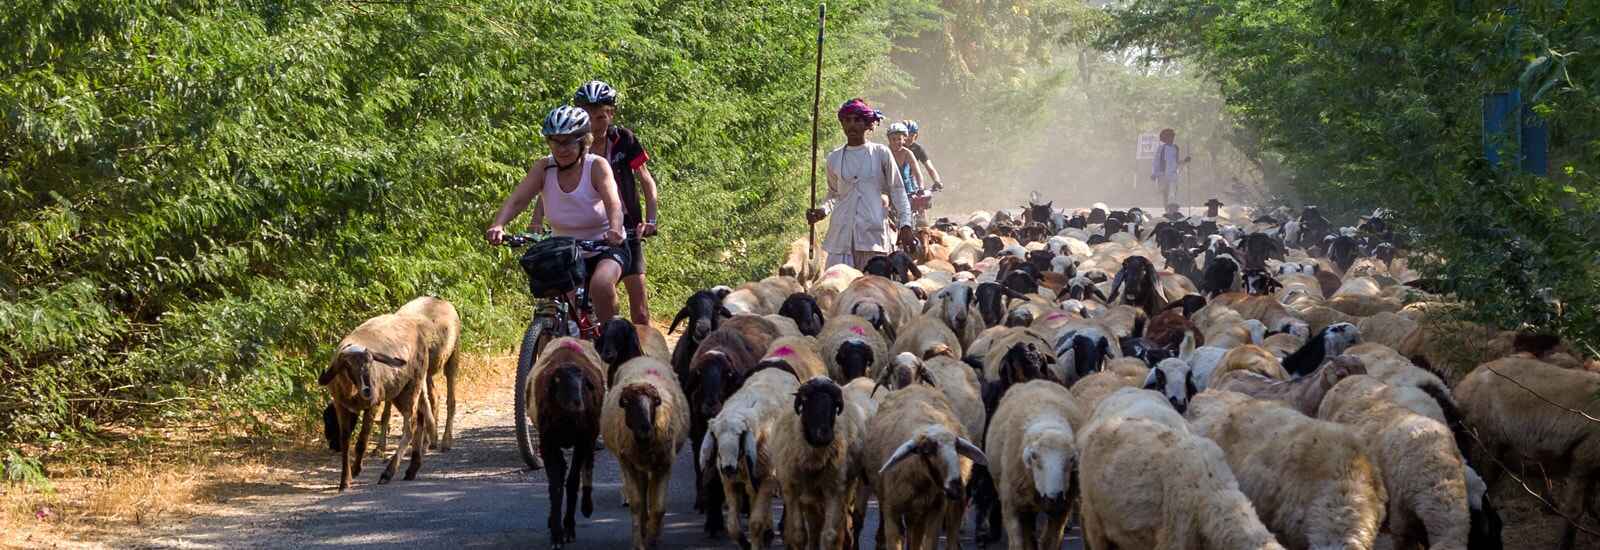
[[566, 143]]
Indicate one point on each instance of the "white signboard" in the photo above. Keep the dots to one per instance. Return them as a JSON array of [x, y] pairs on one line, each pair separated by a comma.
[[1147, 146]]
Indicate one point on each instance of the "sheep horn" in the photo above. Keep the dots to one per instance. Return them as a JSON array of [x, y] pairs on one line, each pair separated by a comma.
[[904, 451], [967, 449]]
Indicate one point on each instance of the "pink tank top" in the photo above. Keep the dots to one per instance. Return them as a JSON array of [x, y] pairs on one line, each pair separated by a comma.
[[579, 214]]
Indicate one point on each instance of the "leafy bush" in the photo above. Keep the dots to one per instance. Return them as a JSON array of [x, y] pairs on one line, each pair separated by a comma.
[[1374, 104], [198, 199]]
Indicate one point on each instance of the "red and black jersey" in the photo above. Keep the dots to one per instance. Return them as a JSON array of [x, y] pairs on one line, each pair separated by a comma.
[[626, 154]]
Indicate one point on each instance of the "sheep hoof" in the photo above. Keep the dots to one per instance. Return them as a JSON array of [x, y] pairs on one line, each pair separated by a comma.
[[384, 479]]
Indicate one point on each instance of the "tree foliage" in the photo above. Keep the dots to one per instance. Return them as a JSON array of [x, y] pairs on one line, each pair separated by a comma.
[[198, 198], [1379, 104]]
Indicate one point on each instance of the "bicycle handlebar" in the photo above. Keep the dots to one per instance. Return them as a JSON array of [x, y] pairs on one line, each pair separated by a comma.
[[525, 239]]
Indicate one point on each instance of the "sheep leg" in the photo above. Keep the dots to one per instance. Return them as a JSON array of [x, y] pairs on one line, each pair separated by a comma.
[[954, 512], [587, 480], [1094, 537], [858, 515], [451, 367], [928, 532], [632, 487], [713, 501], [361, 441], [1055, 529], [1017, 538], [569, 520], [760, 524], [407, 419], [555, 475], [794, 523], [888, 525], [345, 425], [835, 522], [730, 515], [418, 448], [383, 430], [657, 502], [1576, 499]]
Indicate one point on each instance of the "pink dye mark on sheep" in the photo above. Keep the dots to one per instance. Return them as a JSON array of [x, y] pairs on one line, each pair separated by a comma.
[[572, 345], [652, 372], [858, 331], [1055, 316], [783, 351]]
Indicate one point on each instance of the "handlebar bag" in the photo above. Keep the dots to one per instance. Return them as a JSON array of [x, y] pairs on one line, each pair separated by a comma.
[[921, 201], [554, 267]]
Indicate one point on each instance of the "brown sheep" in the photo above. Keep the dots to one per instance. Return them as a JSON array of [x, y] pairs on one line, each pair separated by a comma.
[[645, 422], [1250, 358], [717, 370], [569, 388], [442, 336], [1303, 394], [815, 454], [383, 361], [917, 422]]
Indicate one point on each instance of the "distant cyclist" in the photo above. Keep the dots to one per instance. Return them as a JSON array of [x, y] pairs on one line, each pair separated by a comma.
[[628, 159], [921, 154], [579, 197], [906, 163]]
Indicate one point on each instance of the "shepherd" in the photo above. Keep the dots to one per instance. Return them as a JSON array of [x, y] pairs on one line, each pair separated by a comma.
[[1165, 168], [859, 174]]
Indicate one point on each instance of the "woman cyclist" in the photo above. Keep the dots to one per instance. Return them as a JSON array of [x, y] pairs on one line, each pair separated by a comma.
[[910, 171], [580, 201]]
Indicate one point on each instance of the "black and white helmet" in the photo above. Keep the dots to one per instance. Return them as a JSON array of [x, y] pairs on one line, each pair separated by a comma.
[[595, 92], [566, 120]]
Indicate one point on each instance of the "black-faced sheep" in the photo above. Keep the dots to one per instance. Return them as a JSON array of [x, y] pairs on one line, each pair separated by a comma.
[[816, 453], [716, 371], [645, 422], [1517, 425], [569, 388], [917, 497], [1311, 480], [852, 348], [805, 312], [382, 361], [618, 344], [1173, 379], [1147, 482], [1136, 284], [1031, 442], [1423, 471], [1081, 348], [739, 441], [1328, 342], [704, 312], [1303, 394]]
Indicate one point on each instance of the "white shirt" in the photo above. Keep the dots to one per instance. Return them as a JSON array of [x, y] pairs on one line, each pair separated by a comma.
[[858, 178], [1169, 152]]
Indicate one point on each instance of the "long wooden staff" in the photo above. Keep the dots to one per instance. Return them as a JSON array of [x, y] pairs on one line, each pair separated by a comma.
[[816, 110]]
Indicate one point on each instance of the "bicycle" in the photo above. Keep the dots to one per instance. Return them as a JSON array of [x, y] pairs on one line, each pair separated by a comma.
[[554, 267]]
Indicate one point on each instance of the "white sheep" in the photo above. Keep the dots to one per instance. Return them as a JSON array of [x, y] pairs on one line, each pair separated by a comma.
[[739, 440], [1517, 424], [921, 495], [1147, 482], [1032, 445], [1173, 379], [957, 305], [645, 422], [927, 336], [1311, 480], [1422, 470]]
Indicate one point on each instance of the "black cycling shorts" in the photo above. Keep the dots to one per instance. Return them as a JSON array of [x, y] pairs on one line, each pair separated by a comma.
[[618, 254], [635, 265]]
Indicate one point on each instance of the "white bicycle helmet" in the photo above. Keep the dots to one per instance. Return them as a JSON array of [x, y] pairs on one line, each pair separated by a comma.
[[898, 128], [566, 120], [595, 92]]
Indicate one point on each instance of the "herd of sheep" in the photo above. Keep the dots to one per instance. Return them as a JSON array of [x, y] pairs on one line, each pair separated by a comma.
[[1221, 381]]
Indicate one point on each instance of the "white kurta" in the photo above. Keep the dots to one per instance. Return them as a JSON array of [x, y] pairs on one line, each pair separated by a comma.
[[858, 178]]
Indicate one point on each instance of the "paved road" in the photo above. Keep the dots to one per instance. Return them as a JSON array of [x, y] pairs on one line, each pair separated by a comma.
[[475, 496]]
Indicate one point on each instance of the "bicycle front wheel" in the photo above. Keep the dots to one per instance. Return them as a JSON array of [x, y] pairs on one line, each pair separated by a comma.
[[540, 332]]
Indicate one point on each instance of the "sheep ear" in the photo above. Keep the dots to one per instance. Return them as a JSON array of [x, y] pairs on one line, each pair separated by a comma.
[[723, 311], [967, 449], [1188, 384], [682, 315], [904, 451], [327, 375], [1156, 380], [722, 293], [388, 359], [747, 451], [708, 449], [798, 401], [1186, 348]]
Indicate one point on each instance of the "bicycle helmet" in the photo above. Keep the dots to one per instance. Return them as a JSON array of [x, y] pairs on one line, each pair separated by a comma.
[[566, 120], [911, 127], [898, 128], [595, 92]]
